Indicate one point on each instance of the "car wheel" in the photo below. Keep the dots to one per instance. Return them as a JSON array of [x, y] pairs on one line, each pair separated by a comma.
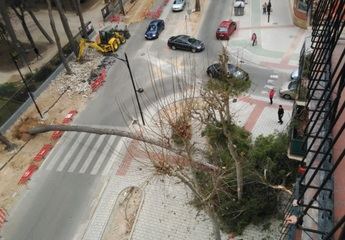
[[287, 96], [193, 50], [173, 47]]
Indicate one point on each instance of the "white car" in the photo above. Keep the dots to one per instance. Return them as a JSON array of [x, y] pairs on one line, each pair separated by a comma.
[[178, 5]]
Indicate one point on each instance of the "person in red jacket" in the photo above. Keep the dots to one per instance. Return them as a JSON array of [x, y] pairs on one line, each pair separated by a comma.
[[271, 94]]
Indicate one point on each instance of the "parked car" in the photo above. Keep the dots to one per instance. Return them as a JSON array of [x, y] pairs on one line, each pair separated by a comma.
[[185, 42], [294, 75], [288, 90], [154, 29], [225, 29], [214, 71], [178, 5]]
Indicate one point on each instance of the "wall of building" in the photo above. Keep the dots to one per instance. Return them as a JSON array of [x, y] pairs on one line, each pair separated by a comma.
[[339, 175]]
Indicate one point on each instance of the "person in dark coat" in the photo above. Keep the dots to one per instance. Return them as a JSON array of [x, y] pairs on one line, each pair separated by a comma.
[[280, 114], [269, 7], [254, 39]]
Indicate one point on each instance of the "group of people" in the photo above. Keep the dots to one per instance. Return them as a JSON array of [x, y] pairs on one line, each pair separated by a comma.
[[267, 8], [271, 94]]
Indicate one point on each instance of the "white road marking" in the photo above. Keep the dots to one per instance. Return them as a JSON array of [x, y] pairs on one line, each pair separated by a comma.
[[66, 140], [274, 76], [270, 81], [104, 153], [94, 150], [81, 153], [268, 86], [118, 148], [70, 152]]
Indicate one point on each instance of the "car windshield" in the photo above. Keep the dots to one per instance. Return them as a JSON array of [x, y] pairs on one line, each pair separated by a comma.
[[192, 41], [152, 28], [222, 29], [178, 1]]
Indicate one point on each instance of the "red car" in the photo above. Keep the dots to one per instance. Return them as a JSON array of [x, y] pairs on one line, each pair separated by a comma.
[[225, 29]]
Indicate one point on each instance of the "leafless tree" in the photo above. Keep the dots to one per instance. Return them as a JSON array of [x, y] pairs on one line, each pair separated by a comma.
[[66, 26], [57, 39], [81, 18], [9, 145]]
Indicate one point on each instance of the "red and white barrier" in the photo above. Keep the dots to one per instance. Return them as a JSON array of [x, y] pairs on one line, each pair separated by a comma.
[[3, 216]]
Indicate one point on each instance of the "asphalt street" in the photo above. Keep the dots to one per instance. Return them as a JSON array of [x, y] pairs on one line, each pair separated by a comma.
[[63, 193]]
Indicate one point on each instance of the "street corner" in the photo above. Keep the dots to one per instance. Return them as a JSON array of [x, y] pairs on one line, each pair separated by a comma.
[[259, 117], [267, 123]]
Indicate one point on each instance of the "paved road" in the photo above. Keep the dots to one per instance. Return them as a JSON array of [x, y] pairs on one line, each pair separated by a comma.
[[63, 194]]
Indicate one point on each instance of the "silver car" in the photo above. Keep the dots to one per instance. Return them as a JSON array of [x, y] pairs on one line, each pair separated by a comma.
[[178, 5], [294, 75], [288, 90]]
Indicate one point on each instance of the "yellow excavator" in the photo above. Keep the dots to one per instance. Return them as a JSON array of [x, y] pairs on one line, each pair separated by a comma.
[[109, 41]]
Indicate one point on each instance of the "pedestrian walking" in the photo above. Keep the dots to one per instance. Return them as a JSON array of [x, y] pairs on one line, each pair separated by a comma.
[[271, 94], [264, 8], [280, 114], [254, 39], [269, 7]]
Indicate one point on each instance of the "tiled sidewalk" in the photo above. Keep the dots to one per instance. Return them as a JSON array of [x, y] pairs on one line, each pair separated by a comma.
[[166, 212]]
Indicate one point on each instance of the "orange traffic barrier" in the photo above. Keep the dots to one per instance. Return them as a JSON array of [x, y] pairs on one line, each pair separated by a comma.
[[43, 152], [69, 116], [56, 135], [28, 173]]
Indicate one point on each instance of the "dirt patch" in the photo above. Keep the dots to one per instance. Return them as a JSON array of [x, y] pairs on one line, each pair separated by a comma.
[[124, 214], [136, 10]]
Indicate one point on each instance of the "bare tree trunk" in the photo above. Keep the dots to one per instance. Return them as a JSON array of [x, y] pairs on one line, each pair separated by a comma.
[[81, 18], [21, 17], [9, 146], [45, 34], [75, 128], [66, 27], [122, 8], [10, 31], [197, 6], [57, 39]]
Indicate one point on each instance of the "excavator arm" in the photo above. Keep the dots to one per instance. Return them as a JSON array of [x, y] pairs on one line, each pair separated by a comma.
[[83, 44]]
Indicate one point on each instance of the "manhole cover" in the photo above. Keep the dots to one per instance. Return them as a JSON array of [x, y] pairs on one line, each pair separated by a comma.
[[275, 23]]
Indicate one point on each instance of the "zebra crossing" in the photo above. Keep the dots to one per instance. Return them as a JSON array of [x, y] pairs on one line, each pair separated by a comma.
[[270, 83], [83, 153]]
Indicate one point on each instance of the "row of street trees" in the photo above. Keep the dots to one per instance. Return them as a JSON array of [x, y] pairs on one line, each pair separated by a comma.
[[21, 10]]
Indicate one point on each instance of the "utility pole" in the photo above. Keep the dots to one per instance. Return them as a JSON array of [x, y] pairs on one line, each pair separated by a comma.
[[136, 91], [26, 85]]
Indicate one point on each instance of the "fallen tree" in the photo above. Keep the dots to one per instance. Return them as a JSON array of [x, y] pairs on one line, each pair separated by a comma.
[[122, 133]]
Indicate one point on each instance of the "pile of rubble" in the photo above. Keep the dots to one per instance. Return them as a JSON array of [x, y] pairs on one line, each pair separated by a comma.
[[78, 82]]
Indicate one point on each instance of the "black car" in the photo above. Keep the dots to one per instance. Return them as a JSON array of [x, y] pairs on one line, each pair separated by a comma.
[[154, 29], [214, 71], [185, 42]]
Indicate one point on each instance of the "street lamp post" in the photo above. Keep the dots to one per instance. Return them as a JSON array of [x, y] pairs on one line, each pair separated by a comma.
[[140, 90], [26, 85]]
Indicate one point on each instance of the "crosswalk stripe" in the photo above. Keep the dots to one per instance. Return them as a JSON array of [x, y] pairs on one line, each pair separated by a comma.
[[104, 153], [113, 157], [269, 86], [95, 149], [80, 155], [70, 152], [69, 137], [274, 76]]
